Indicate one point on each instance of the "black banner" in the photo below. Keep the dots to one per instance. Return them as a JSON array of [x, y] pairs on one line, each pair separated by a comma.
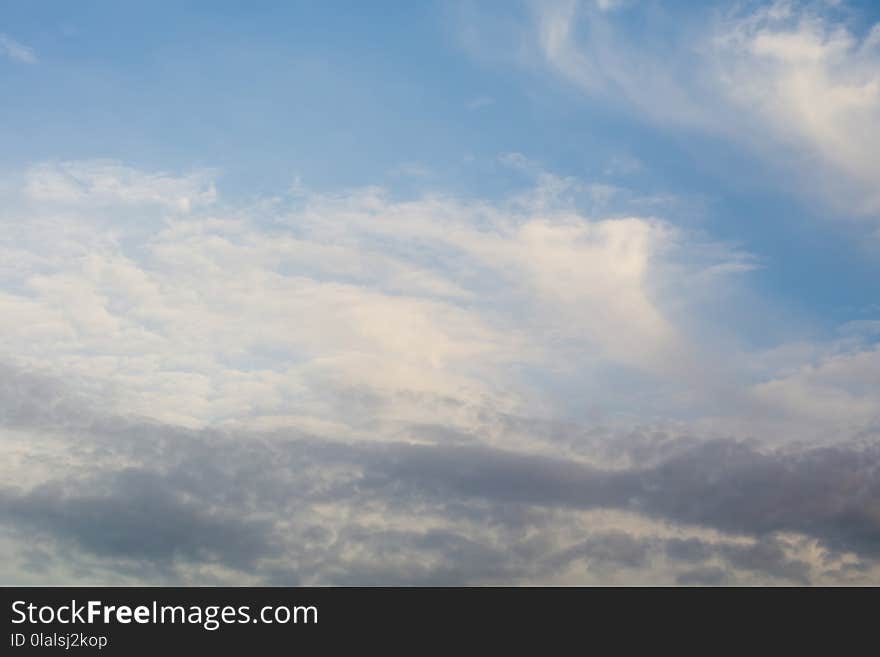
[[198, 620]]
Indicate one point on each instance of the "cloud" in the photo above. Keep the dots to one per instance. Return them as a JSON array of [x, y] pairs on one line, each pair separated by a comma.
[[827, 493], [136, 519], [193, 506], [839, 388], [790, 80], [814, 84], [103, 182], [355, 308], [608, 551], [16, 51], [688, 549], [703, 577], [768, 557], [350, 388], [350, 308]]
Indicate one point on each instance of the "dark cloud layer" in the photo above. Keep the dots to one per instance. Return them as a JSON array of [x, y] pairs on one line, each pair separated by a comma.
[[167, 496], [832, 494], [140, 517]]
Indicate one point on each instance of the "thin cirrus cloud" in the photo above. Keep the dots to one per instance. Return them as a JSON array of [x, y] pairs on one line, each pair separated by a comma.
[[106, 183], [16, 51], [348, 388], [790, 80]]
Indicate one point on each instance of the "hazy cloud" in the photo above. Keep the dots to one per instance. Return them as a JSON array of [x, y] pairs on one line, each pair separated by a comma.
[[16, 51]]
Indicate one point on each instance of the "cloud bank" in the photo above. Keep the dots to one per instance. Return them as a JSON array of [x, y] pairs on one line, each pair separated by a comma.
[[350, 388]]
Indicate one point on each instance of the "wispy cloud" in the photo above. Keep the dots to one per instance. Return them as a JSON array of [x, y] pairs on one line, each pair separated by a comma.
[[790, 79], [16, 51], [106, 182]]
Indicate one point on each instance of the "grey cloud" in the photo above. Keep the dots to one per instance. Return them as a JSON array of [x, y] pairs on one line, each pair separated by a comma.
[[430, 558], [768, 557], [163, 512], [609, 550], [830, 494], [167, 516], [137, 517], [688, 549], [36, 401], [167, 495]]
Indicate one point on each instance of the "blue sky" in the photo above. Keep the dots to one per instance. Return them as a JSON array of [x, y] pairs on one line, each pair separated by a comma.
[[556, 229], [330, 94]]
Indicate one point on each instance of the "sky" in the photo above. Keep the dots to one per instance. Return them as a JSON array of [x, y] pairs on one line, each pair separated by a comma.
[[440, 293]]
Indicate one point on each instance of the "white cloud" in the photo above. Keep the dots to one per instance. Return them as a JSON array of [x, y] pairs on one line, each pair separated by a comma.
[[16, 51], [791, 80], [838, 390], [816, 86], [350, 305], [357, 310], [104, 182]]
